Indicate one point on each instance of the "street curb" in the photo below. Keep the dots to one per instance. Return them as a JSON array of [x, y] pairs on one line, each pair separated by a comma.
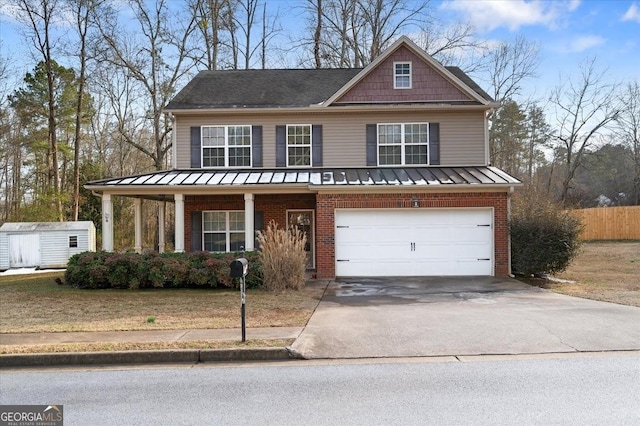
[[191, 356]]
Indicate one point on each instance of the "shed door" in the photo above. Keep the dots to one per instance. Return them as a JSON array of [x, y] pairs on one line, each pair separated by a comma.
[[418, 242], [24, 250]]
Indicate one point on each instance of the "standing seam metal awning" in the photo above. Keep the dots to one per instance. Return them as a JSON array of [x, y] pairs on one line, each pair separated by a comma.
[[314, 177]]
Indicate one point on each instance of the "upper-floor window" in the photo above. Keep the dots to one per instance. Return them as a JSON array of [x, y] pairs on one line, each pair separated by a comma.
[[226, 146], [299, 145], [403, 144], [223, 231], [402, 75]]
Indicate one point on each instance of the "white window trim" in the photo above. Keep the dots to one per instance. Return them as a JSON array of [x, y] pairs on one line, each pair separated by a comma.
[[226, 146], [403, 144], [310, 144], [227, 231], [395, 75]]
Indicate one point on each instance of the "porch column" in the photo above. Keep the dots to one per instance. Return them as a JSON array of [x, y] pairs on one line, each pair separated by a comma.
[[161, 227], [179, 198], [137, 224], [107, 223], [249, 234]]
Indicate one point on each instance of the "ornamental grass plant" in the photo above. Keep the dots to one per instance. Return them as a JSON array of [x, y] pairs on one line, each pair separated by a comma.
[[283, 257]]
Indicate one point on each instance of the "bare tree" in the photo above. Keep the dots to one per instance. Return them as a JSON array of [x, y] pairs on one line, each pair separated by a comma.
[[629, 130], [82, 11], [385, 20], [210, 15], [583, 109], [39, 16], [509, 65], [317, 33], [352, 33], [156, 61], [455, 45]]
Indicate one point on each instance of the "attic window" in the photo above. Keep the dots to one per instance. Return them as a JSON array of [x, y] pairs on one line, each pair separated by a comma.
[[402, 75], [73, 241]]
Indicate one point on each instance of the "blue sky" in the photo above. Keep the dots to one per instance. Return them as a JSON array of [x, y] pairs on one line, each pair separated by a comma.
[[567, 31]]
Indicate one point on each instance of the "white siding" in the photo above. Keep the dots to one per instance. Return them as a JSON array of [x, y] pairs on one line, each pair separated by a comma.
[[54, 241], [4, 251]]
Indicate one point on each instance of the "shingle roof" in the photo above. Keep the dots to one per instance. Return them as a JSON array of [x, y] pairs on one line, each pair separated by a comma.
[[273, 88], [462, 76], [431, 177], [261, 88]]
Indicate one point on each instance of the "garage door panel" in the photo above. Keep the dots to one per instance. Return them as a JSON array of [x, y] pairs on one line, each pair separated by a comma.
[[408, 242], [379, 251]]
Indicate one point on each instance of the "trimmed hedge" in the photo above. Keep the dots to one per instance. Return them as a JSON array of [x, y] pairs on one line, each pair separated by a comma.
[[99, 270]]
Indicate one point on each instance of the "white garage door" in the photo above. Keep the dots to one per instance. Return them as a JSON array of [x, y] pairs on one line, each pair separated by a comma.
[[414, 242]]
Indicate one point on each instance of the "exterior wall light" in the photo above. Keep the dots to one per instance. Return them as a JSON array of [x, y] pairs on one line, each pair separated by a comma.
[[415, 202]]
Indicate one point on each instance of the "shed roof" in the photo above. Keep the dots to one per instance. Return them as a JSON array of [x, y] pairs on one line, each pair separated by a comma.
[[45, 226]]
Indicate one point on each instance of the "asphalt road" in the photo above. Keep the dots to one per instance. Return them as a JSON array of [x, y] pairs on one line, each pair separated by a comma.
[[580, 390]]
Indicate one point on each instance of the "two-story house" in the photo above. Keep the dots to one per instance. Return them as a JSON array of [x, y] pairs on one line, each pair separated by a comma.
[[386, 168]]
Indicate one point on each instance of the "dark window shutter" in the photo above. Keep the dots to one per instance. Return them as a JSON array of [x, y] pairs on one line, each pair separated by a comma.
[[196, 151], [258, 225], [316, 140], [256, 146], [196, 231], [372, 144], [281, 146], [434, 144]]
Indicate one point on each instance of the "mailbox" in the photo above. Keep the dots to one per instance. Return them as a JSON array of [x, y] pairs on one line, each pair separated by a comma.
[[239, 268]]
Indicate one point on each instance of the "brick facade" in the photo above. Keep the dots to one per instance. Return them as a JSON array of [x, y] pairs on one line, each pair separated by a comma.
[[274, 207], [327, 203]]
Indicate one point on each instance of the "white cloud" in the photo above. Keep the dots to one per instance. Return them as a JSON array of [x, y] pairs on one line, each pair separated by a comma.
[[573, 5], [582, 43], [9, 11], [632, 14], [491, 14]]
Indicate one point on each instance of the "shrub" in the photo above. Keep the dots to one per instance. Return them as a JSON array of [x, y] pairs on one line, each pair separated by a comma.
[[283, 257], [97, 270], [544, 237]]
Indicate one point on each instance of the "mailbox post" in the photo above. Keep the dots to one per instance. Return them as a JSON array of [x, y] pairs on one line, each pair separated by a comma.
[[239, 269]]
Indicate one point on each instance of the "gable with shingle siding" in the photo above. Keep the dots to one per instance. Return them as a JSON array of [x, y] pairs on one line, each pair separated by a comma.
[[428, 85]]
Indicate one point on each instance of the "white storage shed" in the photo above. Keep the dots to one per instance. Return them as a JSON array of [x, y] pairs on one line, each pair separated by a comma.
[[44, 244]]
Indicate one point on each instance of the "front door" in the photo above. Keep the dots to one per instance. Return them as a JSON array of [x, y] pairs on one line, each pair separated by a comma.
[[303, 220]]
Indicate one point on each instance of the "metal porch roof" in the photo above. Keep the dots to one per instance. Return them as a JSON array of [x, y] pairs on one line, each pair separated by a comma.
[[314, 177]]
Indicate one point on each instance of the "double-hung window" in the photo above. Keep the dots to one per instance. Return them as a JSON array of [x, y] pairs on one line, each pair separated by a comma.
[[402, 75], [299, 145], [226, 146], [403, 144], [223, 231]]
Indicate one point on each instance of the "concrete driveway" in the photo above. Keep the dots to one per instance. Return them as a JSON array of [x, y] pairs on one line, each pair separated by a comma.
[[404, 317]]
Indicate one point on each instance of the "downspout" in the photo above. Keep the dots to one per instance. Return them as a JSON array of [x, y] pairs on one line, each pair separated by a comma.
[[174, 148], [487, 149], [509, 194]]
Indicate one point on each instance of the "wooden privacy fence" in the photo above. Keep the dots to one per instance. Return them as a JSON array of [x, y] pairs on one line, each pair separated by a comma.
[[610, 223]]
